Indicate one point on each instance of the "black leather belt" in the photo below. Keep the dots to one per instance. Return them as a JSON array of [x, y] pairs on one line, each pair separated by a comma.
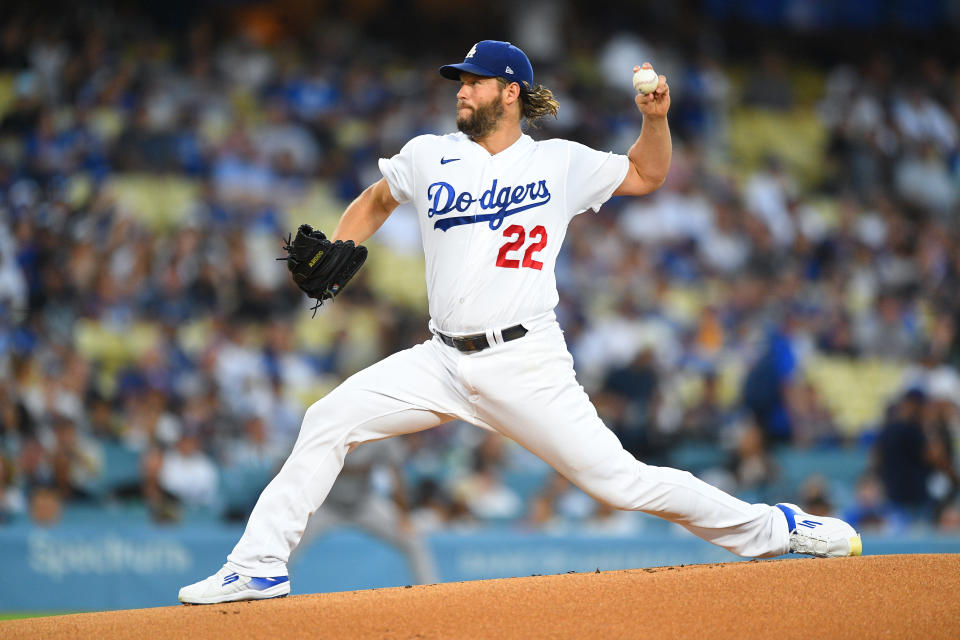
[[478, 341]]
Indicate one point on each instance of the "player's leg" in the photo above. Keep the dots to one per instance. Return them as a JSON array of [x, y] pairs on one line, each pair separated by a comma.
[[381, 517], [529, 392], [410, 391]]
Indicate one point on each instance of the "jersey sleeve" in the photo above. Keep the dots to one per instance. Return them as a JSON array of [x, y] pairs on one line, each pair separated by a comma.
[[592, 177], [399, 172]]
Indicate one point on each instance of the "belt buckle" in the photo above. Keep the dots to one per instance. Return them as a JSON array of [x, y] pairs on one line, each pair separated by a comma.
[[467, 345]]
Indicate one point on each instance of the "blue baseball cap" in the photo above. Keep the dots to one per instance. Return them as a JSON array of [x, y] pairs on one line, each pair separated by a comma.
[[491, 59]]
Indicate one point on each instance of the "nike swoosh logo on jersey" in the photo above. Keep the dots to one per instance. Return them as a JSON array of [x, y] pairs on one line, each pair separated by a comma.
[[448, 160]]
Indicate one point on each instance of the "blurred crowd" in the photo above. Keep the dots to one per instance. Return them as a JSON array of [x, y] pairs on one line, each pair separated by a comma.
[[695, 315]]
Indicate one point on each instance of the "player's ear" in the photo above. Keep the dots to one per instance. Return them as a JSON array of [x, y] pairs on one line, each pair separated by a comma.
[[511, 93]]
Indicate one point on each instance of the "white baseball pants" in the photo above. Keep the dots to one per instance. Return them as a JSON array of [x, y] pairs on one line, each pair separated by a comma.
[[525, 389]]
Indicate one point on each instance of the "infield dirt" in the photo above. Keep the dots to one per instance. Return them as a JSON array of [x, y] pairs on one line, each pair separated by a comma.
[[908, 596]]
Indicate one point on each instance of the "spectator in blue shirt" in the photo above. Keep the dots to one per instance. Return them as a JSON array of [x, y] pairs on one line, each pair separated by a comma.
[[903, 454]]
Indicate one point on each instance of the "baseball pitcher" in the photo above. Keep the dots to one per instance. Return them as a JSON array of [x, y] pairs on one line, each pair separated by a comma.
[[493, 207]]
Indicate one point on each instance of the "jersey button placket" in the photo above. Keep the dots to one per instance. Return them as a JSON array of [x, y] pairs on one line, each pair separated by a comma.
[[465, 372]]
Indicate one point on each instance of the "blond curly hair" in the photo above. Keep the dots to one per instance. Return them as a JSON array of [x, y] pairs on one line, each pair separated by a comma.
[[534, 103]]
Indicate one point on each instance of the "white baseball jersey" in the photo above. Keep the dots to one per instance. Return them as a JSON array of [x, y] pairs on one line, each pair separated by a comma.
[[492, 225]]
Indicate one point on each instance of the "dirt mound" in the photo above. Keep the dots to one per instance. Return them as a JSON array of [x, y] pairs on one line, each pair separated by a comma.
[[897, 596]]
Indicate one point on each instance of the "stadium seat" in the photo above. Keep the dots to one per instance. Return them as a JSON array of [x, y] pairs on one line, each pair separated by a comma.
[[527, 482], [121, 468], [696, 457], [838, 465], [841, 468], [241, 485]]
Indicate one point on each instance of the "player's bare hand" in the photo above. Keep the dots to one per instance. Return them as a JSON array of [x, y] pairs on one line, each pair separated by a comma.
[[657, 102]]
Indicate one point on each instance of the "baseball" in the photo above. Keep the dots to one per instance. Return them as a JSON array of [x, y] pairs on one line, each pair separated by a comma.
[[645, 80]]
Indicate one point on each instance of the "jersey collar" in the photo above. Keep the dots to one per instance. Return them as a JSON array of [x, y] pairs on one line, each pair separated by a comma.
[[518, 146]]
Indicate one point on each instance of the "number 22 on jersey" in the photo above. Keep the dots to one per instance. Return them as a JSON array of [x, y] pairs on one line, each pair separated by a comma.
[[517, 235]]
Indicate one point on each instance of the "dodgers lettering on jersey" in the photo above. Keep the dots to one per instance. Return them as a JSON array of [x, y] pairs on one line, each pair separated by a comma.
[[505, 201], [492, 225]]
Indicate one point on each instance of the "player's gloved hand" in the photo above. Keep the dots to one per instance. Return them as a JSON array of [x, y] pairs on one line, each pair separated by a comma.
[[322, 268]]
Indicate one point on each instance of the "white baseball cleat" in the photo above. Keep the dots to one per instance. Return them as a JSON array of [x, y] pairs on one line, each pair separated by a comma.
[[820, 536], [228, 586]]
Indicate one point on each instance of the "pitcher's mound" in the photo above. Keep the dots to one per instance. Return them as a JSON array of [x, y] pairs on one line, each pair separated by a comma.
[[904, 596]]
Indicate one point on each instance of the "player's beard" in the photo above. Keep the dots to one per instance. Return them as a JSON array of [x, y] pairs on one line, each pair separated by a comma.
[[483, 120]]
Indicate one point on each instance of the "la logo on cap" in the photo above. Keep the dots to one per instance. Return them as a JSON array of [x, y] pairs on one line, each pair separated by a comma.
[[473, 50]]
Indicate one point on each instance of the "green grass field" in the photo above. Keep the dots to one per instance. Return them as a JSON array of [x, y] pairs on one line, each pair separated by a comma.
[[16, 615]]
